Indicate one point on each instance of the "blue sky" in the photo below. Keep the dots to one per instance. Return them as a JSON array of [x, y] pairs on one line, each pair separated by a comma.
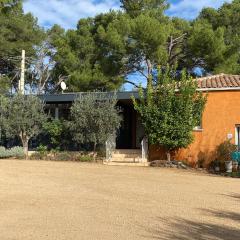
[[67, 12]]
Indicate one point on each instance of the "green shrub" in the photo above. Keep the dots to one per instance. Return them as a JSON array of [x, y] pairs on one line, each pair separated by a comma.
[[3, 152], [38, 156], [85, 158], [63, 156], [42, 152], [54, 129], [16, 152]]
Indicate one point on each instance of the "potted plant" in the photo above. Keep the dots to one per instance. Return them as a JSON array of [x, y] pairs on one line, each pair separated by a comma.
[[224, 151], [235, 165], [217, 166]]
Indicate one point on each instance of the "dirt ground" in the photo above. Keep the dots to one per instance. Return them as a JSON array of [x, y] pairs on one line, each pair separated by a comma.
[[71, 201]]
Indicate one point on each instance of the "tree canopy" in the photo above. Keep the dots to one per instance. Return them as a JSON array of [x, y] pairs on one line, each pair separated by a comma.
[[18, 31], [22, 116], [226, 22], [94, 118], [104, 50], [170, 111]]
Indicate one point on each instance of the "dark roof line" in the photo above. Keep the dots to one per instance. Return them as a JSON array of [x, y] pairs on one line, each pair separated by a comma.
[[219, 82]]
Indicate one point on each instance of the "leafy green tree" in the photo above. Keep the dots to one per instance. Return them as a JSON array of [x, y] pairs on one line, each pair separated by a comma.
[[94, 118], [170, 111], [206, 47], [137, 7], [105, 49], [23, 117], [81, 59], [18, 31], [226, 18]]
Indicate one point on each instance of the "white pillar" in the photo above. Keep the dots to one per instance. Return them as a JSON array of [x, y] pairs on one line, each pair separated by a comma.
[[22, 78]]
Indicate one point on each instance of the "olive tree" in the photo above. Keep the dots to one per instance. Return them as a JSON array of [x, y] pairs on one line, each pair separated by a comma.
[[94, 118], [23, 117]]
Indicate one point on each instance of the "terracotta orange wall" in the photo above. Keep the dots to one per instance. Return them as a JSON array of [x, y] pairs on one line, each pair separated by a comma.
[[221, 114]]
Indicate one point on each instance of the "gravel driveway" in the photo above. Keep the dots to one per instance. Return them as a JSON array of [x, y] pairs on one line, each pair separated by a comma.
[[71, 201]]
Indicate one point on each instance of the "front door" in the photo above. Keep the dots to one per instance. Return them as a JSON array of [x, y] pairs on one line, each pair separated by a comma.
[[125, 133]]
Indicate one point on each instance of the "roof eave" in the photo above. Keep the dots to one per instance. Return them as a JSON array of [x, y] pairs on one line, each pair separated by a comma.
[[218, 89]]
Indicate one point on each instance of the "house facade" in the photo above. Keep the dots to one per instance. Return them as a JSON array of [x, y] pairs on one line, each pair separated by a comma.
[[220, 120]]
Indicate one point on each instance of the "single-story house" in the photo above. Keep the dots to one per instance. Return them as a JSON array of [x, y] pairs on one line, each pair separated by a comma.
[[220, 121]]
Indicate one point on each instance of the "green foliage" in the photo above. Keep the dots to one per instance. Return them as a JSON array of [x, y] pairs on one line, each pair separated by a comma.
[[227, 18], [16, 152], [4, 84], [40, 154], [63, 156], [43, 154], [94, 118], [22, 116], [105, 49], [206, 45], [80, 56], [170, 111], [224, 151], [85, 158], [18, 31], [54, 129], [136, 7], [42, 149]]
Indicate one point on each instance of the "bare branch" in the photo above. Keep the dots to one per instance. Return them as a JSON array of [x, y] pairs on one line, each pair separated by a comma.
[[132, 83]]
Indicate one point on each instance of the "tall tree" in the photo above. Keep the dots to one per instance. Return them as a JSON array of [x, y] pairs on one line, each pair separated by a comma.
[[105, 49], [226, 20], [206, 47], [170, 111], [41, 76], [137, 7], [78, 56], [18, 31]]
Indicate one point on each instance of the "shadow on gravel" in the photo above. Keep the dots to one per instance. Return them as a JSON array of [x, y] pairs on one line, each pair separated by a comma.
[[236, 196], [182, 229]]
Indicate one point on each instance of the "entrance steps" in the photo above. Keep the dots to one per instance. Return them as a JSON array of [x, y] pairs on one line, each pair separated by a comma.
[[127, 157], [130, 164]]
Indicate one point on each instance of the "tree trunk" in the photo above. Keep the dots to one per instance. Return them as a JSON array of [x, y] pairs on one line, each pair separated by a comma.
[[94, 151], [168, 156], [25, 140], [25, 148], [149, 73]]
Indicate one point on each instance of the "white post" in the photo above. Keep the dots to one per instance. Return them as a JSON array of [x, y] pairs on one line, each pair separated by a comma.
[[22, 78], [144, 144]]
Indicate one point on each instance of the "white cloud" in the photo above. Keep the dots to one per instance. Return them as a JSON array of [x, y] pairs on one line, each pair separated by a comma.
[[66, 12], [189, 9]]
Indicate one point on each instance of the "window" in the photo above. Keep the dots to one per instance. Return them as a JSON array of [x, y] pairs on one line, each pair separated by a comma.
[[237, 136]]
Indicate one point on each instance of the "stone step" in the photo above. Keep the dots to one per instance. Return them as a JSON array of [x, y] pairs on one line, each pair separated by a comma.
[[122, 159], [126, 155], [131, 164], [127, 151]]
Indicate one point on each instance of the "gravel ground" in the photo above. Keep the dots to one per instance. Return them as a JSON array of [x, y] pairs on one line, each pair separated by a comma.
[[71, 201]]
